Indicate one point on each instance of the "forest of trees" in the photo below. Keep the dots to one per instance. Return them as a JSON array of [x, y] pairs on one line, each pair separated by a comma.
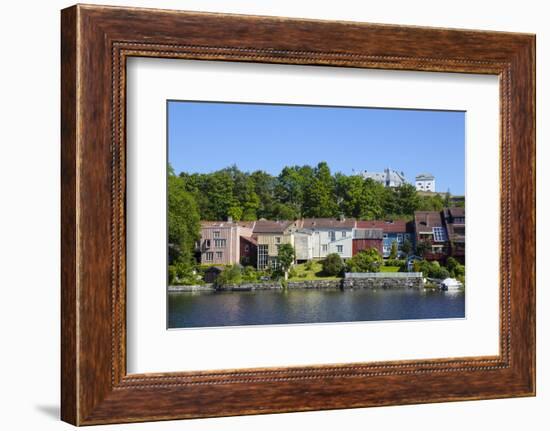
[[300, 191]]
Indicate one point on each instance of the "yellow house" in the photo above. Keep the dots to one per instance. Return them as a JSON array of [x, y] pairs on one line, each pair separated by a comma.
[[270, 235]]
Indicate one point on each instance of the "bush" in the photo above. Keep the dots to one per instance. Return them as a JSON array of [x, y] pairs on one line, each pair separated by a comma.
[[249, 274], [180, 273], [393, 252], [292, 273], [232, 274], [455, 268], [366, 261], [333, 264], [309, 265], [431, 269]]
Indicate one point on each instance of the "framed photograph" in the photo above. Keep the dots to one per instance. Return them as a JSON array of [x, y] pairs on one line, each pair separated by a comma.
[[264, 214]]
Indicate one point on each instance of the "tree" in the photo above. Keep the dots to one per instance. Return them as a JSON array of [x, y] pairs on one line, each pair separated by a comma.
[[366, 261], [319, 197], [285, 258], [393, 252], [422, 248], [406, 247], [455, 268], [333, 264], [183, 222]]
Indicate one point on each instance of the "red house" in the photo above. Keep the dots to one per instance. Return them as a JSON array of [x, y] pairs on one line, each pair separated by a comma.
[[364, 239]]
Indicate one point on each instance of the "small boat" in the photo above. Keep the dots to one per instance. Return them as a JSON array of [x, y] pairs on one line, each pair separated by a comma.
[[450, 284]]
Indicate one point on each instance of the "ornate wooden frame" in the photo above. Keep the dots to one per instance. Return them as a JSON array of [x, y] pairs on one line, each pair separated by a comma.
[[95, 42]]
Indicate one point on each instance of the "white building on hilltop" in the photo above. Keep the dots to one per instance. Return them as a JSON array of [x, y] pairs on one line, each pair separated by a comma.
[[388, 178], [425, 183]]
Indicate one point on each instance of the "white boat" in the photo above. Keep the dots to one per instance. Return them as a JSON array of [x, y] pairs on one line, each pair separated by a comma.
[[450, 284]]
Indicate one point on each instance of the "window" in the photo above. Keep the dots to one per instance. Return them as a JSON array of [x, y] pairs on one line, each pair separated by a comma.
[[344, 234], [219, 254], [340, 248], [262, 256], [207, 243], [246, 248], [216, 234], [324, 248], [399, 237], [439, 234], [220, 243], [458, 220], [209, 256], [278, 239], [332, 235]]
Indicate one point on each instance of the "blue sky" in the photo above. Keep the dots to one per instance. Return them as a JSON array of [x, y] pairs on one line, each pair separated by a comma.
[[207, 136]]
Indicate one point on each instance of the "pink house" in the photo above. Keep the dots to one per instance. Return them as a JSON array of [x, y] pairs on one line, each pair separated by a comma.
[[220, 241]]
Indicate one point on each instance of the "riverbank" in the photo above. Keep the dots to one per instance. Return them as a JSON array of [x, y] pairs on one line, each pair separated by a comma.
[[351, 281]]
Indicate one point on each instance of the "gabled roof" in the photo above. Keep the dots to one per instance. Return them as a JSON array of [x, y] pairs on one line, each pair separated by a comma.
[[250, 240], [456, 212], [327, 223], [219, 224], [422, 177], [388, 226], [425, 221], [368, 234], [271, 226]]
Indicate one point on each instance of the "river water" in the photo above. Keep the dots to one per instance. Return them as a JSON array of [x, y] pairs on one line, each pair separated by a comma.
[[207, 309]]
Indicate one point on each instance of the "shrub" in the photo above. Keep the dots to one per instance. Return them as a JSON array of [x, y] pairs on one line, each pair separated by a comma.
[[309, 265], [395, 262], [249, 274], [333, 264], [292, 273], [366, 261], [431, 269], [183, 274], [393, 252], [455, 268], [232, 274]]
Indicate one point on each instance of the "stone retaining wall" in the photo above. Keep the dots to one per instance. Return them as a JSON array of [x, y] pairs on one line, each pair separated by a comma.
[[380, 282], [275, 285], [413, 282], [195, 288], [316, 284]]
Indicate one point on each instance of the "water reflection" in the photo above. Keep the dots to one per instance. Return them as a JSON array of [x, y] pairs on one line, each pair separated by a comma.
[[203, 309]]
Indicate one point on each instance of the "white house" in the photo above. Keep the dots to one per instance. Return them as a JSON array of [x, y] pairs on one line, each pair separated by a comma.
[[303, 245], [425, 183], [388, 178], [330, 236]]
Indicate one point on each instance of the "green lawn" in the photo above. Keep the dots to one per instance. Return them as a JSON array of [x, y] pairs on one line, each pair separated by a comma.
[[389, 269], [302, 273]]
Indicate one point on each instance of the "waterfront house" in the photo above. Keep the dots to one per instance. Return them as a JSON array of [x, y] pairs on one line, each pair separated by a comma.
[[397, 231], [431, 234], [303, 245], [442, 233], [455, 223], [248, 251], [269, 236], [220, 241], [330, 235], [364, 239]]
